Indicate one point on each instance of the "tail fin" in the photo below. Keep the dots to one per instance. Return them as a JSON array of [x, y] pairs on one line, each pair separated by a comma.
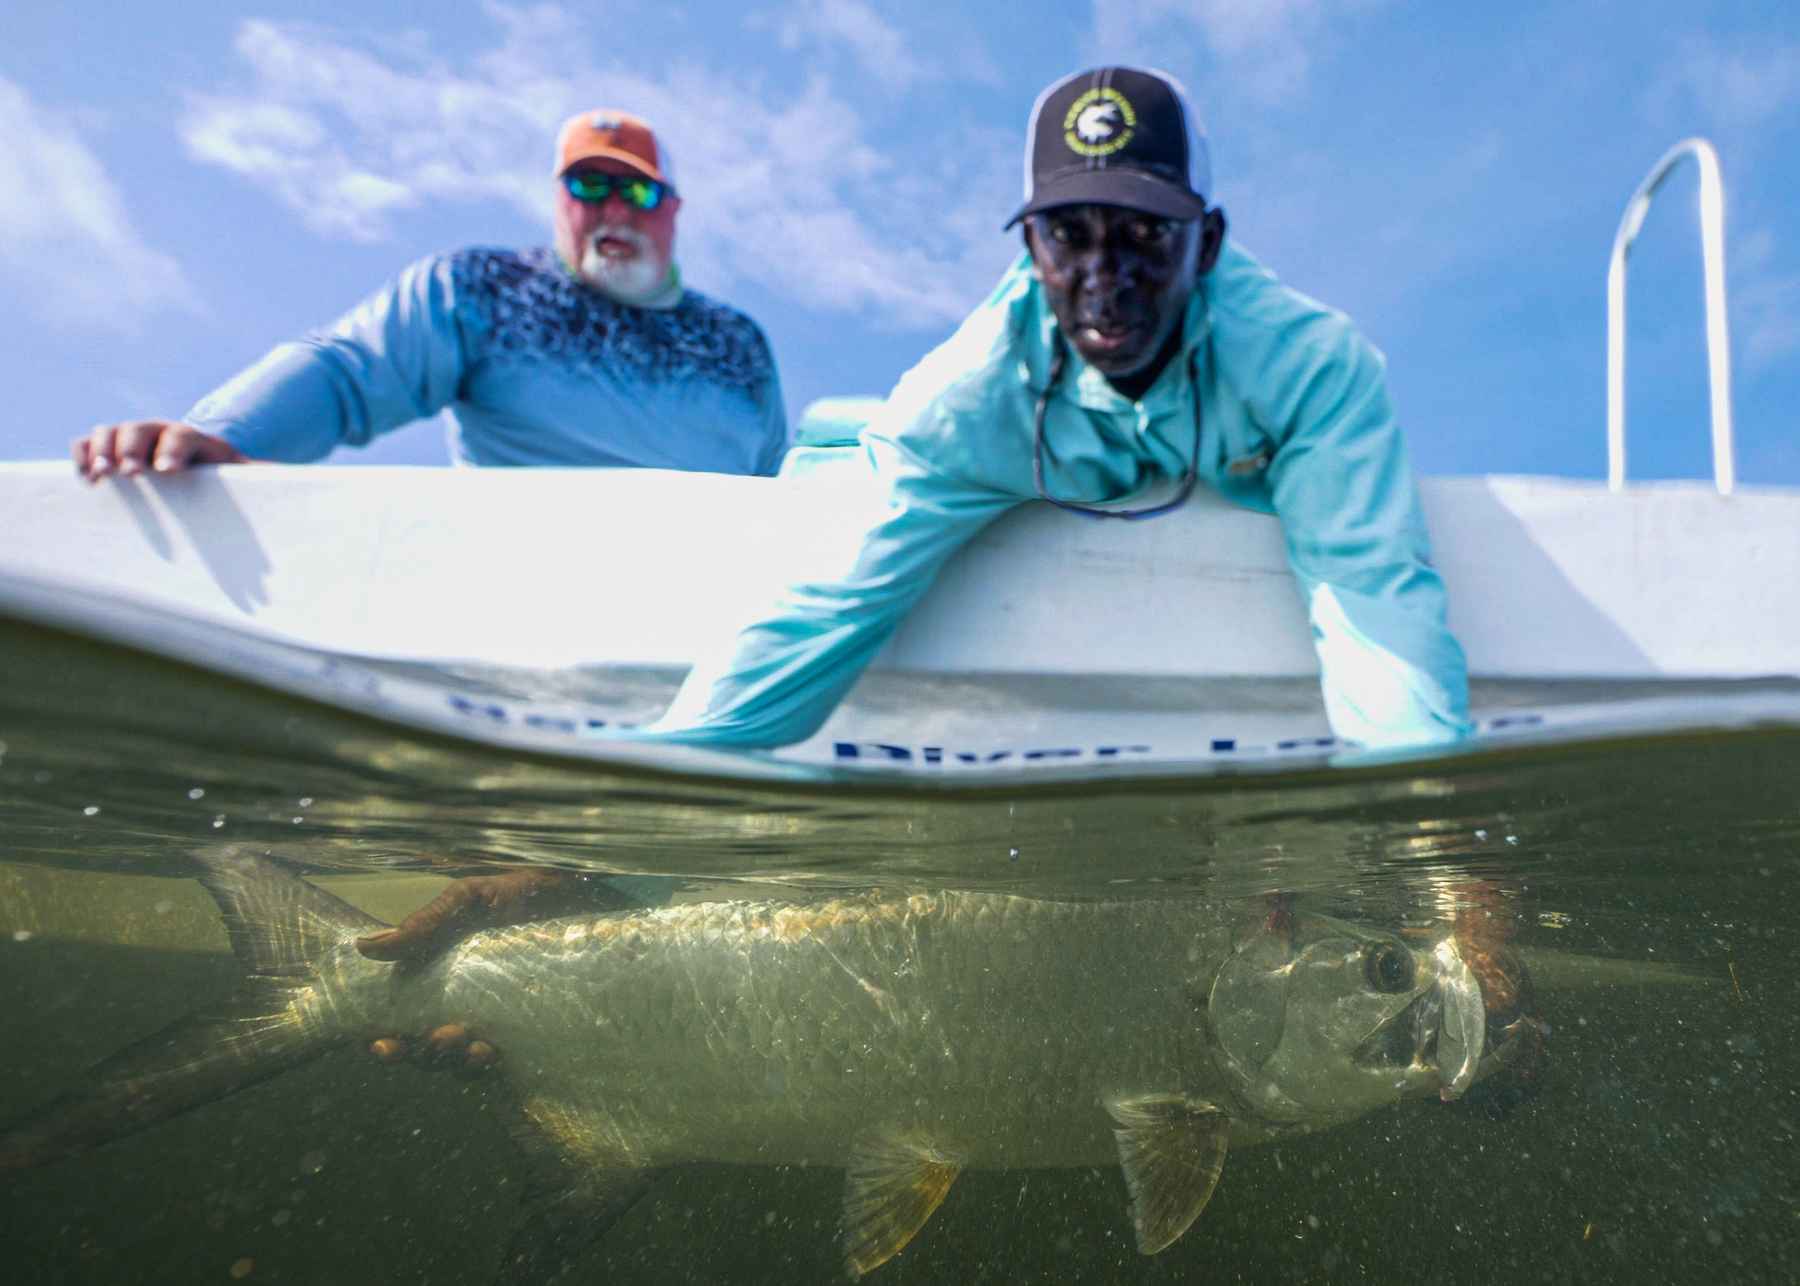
[[283, 931]]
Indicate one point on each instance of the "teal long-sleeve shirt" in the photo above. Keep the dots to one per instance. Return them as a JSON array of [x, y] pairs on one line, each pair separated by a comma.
[[1297, 423]]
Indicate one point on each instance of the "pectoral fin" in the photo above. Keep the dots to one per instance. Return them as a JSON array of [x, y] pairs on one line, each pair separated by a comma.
[[1172, 1149], [894, 1183]]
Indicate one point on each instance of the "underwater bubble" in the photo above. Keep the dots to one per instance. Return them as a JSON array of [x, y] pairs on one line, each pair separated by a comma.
[[92, 810], [218, 821], [197, 792], [21, 935]]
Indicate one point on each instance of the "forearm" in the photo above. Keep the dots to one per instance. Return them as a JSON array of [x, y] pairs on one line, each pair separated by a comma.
[[293, 406], [780, 683], [784, 674], [396, 357], [1390, 671]]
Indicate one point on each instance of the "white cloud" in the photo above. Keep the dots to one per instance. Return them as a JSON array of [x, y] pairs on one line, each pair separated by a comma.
[[1739, 95], [1267, 44], [880, 50], [874, 42], [785, 190], [1767, 311], [1733, 89], [66, 243]]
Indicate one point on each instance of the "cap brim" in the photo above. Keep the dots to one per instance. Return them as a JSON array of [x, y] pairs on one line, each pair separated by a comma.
[[1132, 189], [613, 154]]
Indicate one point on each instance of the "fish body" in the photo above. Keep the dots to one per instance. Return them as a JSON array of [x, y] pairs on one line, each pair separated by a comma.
[[903, 1038], [758, 1032]]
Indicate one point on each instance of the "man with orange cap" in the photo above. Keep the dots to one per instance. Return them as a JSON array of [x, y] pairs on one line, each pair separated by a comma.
[[592, 352]]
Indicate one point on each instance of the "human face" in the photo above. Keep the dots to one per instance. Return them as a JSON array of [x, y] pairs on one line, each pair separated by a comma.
[[612, 245], [1118, 281]]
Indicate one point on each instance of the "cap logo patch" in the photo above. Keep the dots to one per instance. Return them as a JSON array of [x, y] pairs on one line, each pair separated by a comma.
[[1099, 123], [604, 121]]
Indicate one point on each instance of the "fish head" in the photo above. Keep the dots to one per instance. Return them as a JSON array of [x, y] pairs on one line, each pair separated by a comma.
[[1317, 1020]]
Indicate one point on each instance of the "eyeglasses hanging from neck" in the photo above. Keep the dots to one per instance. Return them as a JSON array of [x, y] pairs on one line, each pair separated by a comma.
[[1182, 487]]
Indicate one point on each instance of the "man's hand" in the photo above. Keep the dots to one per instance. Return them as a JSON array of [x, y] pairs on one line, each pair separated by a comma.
[[478, 902], [449, 1045], [167, 446]]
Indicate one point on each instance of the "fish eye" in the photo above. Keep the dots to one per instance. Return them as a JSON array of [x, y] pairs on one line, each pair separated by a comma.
[[1389, 968]]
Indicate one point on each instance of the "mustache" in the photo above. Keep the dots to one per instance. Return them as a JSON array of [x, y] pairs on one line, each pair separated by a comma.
[[639, 243]]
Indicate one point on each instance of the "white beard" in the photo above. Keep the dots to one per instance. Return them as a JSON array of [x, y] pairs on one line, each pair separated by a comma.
[[641, 280]]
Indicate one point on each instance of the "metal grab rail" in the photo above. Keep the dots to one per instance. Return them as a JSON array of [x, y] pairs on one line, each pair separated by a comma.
[[1718, 341]]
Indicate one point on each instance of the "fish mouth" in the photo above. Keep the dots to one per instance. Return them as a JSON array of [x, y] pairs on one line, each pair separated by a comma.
[[1409, 1040], [1441, 1034], [1477, 1018]]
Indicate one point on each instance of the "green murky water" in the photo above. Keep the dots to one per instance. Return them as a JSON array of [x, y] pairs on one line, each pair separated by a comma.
[[1651, 885]]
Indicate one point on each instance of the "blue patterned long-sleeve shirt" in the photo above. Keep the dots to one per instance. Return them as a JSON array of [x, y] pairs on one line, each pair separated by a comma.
[[532, 367]]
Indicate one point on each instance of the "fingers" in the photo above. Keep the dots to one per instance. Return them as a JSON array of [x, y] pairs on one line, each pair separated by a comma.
[[449, 1037], [94, 453], [130, 448], [452, 1042], [182, 444], [449, 1043], [132, 445]]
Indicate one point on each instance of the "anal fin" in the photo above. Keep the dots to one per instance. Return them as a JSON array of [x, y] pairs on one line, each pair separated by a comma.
[[893, 1185], [579, 1181], [1172, 1149]]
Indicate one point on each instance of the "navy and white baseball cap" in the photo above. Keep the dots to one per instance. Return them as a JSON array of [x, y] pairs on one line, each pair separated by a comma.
[[1116, 136]]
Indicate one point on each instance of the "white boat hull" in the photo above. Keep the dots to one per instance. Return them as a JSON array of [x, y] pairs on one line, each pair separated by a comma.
[[526, 608]]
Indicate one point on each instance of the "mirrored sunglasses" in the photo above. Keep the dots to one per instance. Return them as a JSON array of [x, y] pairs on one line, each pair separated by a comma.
[[594, 186]]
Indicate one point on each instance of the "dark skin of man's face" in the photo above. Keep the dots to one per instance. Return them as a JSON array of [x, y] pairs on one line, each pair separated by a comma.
[[1119, 280]]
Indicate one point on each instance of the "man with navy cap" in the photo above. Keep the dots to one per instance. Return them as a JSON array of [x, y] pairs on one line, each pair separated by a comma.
[[1130, 355]]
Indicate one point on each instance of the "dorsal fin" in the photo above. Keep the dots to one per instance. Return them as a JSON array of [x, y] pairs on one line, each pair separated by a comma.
[[1172, 1149], [280, 926], [894, 1183]]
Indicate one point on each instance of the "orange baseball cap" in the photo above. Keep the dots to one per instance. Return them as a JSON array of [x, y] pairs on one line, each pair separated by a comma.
[[614, 136]]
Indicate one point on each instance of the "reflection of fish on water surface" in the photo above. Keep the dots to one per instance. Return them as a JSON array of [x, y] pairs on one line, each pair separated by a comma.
[[904, 1039]]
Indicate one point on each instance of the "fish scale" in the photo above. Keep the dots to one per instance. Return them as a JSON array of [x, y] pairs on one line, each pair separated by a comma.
[[903, 1038], [990, 1019]]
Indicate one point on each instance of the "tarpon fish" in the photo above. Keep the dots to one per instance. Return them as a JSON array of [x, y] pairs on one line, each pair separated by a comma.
[[902, 1038]]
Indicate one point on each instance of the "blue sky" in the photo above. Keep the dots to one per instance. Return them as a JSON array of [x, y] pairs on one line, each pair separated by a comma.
[[183, 186]]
